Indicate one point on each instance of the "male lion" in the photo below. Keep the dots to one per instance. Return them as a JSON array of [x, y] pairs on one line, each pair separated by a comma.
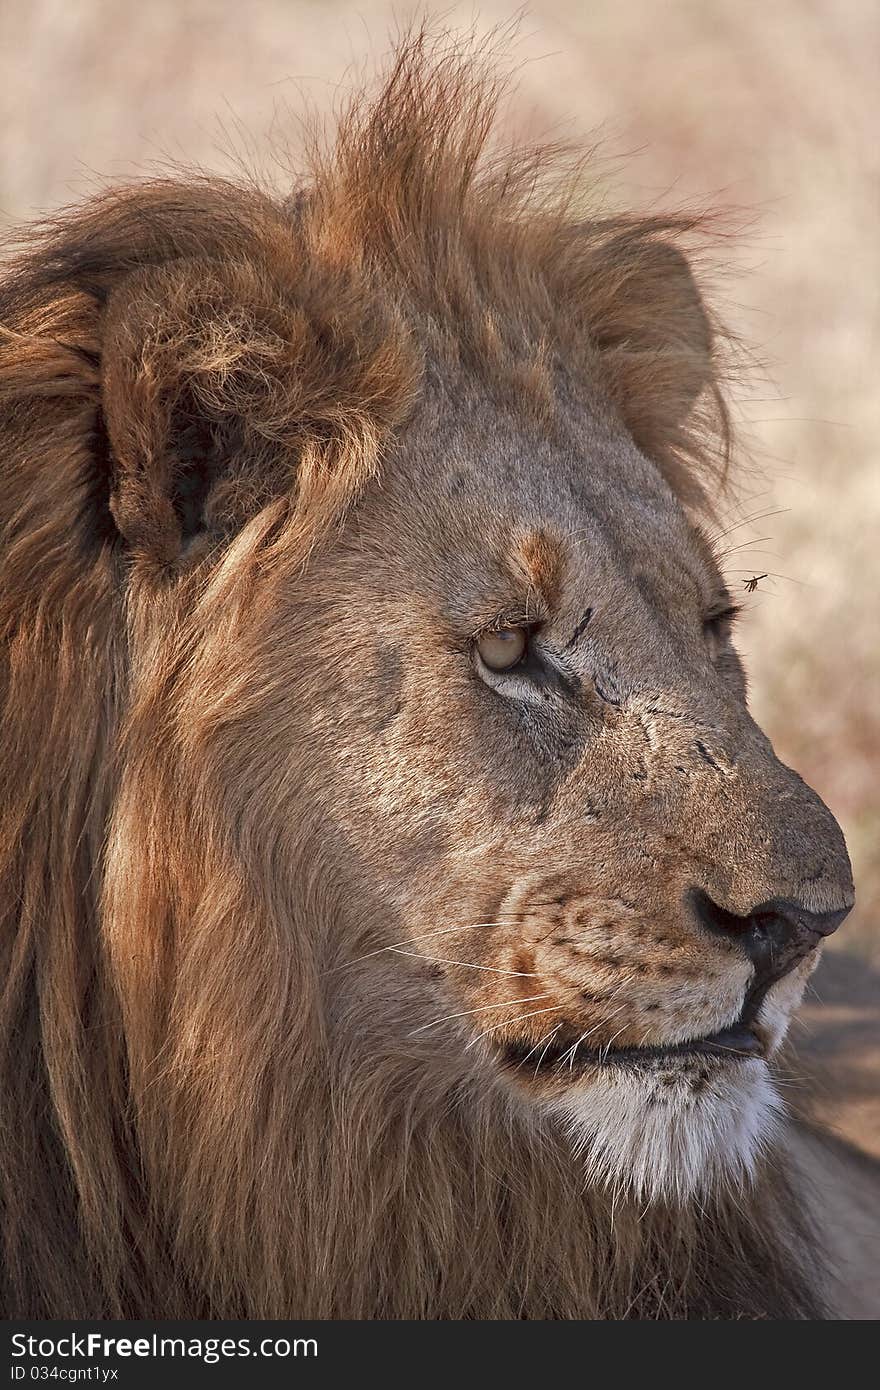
[[400, 909]]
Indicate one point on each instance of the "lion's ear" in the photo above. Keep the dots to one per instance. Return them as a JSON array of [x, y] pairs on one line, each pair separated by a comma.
[[227, 385], [190, 359], [198, 371], [655, 320], [656, 344]]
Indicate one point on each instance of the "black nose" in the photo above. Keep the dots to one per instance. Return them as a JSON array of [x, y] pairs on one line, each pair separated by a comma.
[[775, 935]]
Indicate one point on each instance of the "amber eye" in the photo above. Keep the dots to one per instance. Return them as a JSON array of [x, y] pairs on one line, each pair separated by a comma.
[[502, 648]]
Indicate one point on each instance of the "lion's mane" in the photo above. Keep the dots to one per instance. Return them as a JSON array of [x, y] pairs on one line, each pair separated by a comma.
[[182, 1132]]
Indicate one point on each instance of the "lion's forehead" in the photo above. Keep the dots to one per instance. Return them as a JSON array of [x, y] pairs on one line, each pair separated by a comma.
[[578, 514]]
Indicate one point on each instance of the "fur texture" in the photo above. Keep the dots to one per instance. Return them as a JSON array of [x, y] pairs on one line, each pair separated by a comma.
[[267, 471], [653, 1141]]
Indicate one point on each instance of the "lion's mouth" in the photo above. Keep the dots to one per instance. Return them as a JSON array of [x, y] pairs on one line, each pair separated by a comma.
[[738, 1042]]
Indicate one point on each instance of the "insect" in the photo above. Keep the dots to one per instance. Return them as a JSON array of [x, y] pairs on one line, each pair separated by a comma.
[[752, 584]]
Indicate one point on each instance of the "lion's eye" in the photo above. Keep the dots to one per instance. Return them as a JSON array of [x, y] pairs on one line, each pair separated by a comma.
[[718, 626], [502, 648]]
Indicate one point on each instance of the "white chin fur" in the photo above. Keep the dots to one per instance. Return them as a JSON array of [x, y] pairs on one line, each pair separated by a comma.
[[664, 1141]]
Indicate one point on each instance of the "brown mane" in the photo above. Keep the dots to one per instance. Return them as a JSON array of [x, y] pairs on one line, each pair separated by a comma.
[[183, 1132]]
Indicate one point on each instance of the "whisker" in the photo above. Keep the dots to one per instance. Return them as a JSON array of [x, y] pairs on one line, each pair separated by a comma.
[[468, 965], [463, 1013], [753, 519], [750, 550], [542, 1038], [603, 1052], [743, 545], [573, 1049], [509, 1022], [420, 936], [544, 1053]]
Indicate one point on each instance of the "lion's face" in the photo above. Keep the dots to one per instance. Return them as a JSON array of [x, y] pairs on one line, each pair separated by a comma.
[[543, 760], [384, 826]]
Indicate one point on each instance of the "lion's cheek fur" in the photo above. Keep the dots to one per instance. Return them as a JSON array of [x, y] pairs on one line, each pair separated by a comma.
[[658, 1139]]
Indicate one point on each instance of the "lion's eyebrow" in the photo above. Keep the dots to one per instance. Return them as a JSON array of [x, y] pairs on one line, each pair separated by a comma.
[[538, 558], [722, 603]]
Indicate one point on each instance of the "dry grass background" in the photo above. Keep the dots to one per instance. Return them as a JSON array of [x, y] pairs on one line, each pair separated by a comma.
[[768, 109]]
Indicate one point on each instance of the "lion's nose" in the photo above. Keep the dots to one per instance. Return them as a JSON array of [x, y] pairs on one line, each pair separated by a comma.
[[775, 935]]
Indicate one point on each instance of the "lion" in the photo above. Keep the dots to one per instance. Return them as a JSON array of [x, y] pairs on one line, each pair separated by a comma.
[[401, 910]]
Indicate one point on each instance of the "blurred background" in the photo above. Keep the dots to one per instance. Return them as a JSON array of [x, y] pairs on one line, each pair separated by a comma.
[[769, 110]]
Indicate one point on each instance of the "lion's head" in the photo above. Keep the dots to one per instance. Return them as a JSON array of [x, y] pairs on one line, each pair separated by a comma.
[[381, 795]]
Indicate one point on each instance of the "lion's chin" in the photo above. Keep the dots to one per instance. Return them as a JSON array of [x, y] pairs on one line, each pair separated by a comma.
[[661, 1137]]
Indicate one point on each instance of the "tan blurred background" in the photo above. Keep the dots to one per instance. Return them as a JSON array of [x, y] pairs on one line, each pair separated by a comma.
[[769, 109]]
